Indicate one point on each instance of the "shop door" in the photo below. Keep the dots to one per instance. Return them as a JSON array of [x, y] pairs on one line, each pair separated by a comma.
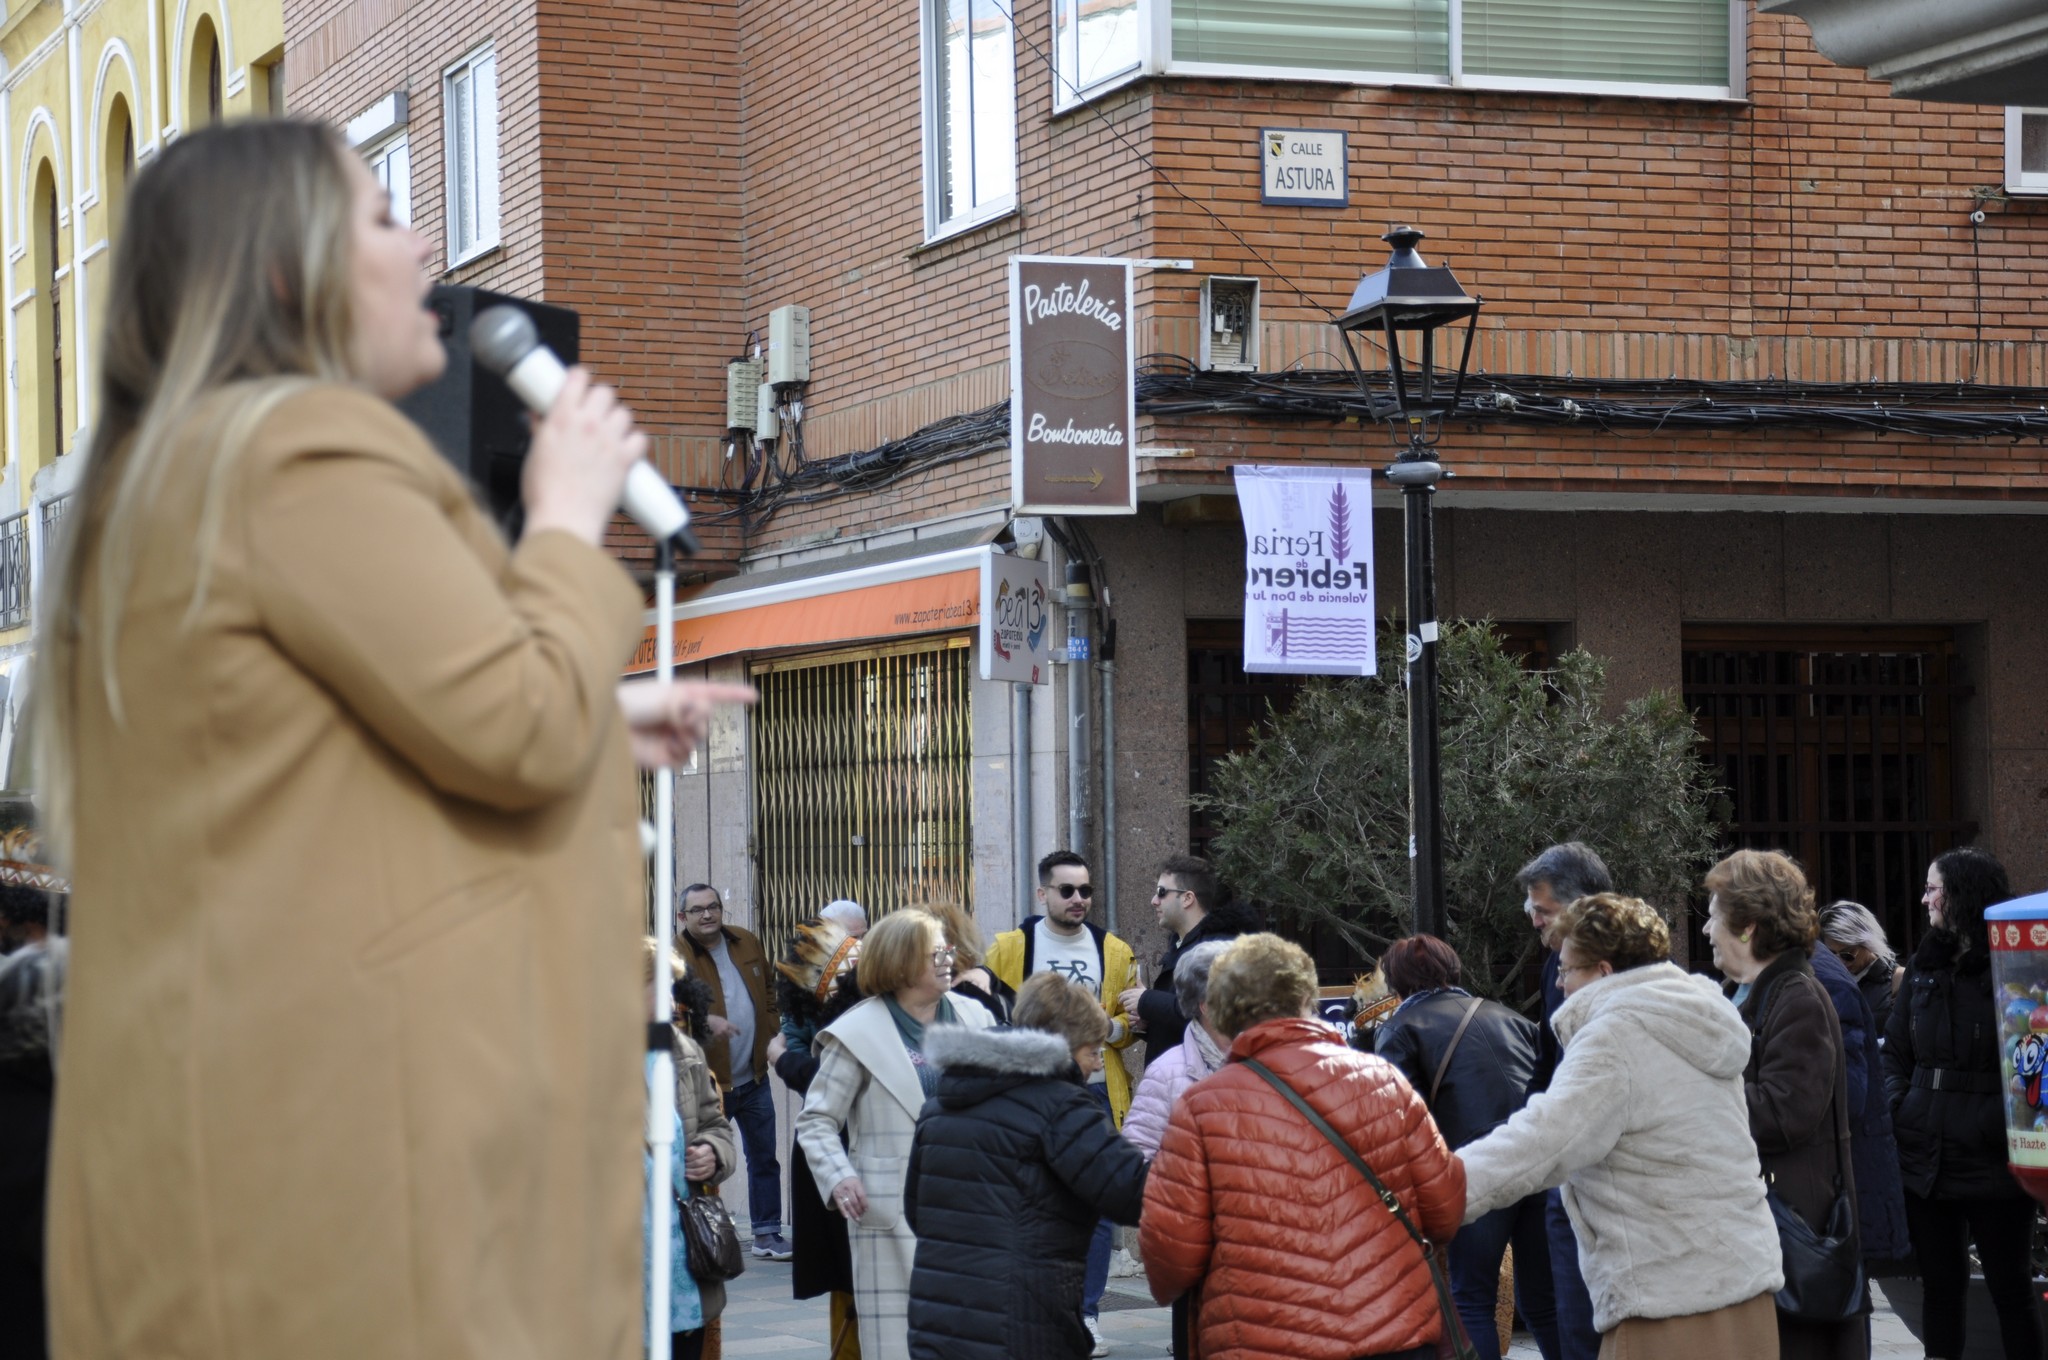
[[1836, 747], [863, 773]]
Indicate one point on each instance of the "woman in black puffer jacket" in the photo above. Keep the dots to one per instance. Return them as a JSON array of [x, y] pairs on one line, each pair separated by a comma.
[[1942, 1076], [1013, 1164]]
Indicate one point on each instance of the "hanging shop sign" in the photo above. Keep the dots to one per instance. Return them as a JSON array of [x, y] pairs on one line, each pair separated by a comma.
[[1308, 587], [1016, 617], [1073, 397], [1304, 167]]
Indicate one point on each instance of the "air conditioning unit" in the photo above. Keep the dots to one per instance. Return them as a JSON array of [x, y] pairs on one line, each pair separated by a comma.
[[1230, 324]]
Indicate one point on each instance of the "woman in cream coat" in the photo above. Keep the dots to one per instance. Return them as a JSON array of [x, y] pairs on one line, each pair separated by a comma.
[[351, 1057], [1646, 1128], [873, 1082]]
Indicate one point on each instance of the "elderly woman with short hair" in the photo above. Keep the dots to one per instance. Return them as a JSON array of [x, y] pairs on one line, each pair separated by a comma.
[[1200, 1051], [873, 1079], [1296, 1255], [1645, 1128], [1854, 936], [1761, 922]]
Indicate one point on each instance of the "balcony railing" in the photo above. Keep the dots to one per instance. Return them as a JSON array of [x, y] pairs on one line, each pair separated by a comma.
[[14, 582], [53, 511]]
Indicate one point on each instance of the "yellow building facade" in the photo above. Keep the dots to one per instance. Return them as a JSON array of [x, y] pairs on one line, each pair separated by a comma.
[[89, 91]]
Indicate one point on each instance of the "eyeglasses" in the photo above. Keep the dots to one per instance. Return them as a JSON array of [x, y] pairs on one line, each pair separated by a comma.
[[1084, 891], [1164, 891], [1845, 955], [1563, 968], [711, 910], [942, 955]]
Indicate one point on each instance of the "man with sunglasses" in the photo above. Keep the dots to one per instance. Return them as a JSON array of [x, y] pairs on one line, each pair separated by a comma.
[[1061, 939], [1189, 913]]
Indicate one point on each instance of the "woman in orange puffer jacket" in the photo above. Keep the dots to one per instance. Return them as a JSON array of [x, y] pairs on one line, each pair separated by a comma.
[[1293, 1254]]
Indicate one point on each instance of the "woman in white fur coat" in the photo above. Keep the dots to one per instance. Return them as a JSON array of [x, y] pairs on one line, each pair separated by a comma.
[[873, 1082], [1646, 1129]]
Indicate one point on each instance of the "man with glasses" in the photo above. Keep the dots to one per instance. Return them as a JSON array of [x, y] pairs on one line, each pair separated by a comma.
[[1552, 881], [1186, 902], [743, 1020], [1061, 939]]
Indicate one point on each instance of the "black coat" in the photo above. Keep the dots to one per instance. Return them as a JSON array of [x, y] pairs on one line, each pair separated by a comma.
[[1876, 986], [1941, 1074], [1488, 1079], [823, 1261], [1013, 1163], [1880, 1199], [1159, 1007]]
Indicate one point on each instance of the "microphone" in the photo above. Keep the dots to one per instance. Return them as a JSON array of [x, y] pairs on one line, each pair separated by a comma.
[[504, 341]]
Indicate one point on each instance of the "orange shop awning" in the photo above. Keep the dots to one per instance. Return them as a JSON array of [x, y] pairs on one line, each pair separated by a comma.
[[932, 593]]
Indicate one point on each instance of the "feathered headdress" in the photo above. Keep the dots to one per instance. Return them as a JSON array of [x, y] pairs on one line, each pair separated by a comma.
[[21, 866], [820, 951]]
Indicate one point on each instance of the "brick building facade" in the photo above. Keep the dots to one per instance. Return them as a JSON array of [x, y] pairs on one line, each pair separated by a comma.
[[676, 172]]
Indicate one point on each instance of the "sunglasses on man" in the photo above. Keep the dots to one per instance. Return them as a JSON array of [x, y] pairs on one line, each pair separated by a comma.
[[1084, 891]]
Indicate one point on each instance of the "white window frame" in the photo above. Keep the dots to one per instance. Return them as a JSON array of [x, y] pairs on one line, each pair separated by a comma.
[[487, 164], [1066, 95], [1735, 90], [930, 32], [391, 162], [2017, 179], [381, 134]]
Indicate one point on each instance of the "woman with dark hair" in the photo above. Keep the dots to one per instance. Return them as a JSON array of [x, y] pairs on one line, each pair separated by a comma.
[[1942, 1075], [1761, 924], [1472, 1062], [350, 1057]]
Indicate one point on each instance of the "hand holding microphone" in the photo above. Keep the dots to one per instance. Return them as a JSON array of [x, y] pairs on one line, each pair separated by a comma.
[[586, 458]]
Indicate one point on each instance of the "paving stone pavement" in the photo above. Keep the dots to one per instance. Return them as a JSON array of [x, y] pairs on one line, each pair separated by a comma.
[[762, 1320]]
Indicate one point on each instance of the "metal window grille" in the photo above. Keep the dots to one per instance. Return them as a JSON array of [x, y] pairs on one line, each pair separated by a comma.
[[1837, 749], [14, 582], [862, 782]]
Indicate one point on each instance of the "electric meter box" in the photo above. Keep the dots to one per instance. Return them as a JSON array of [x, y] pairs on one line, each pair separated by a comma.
[[789, 345], [742, 388], [1230, 324]]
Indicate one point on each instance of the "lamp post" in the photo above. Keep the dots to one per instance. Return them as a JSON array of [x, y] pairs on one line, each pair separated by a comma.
[[1411, 297]]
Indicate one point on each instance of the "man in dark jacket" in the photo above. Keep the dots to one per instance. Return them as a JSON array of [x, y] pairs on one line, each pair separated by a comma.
[[1186, 900], [1880, 1203], [1551, 882], [744, 1021], [1012, 1165]]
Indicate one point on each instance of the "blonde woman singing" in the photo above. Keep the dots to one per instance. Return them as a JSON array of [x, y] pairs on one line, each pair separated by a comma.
[[351, 1065]]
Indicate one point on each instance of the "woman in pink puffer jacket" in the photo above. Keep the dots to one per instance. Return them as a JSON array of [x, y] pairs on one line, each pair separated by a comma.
[[1200, 1052]]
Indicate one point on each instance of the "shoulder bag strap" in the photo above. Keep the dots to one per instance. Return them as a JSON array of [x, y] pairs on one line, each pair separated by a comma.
[[1322, 1126], [1443, 1064]]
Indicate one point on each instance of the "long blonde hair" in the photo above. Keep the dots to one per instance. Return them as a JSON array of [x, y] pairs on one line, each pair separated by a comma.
[[230, 281]]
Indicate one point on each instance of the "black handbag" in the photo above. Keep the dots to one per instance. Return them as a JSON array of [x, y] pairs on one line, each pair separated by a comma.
[[1823, 1270], [711, 1237], [1455, 1344]]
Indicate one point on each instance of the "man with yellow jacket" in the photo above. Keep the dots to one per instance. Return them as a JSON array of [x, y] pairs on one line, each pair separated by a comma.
[[1061, 939]]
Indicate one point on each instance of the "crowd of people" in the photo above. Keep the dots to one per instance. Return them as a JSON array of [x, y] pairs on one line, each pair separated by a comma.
[[1649, 1151]]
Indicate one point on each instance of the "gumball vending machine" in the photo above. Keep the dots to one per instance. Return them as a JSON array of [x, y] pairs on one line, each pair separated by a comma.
[[2019, 976]]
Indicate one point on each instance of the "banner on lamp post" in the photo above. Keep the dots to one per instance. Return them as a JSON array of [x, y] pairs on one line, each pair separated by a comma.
[[1308, 584], [1073, 395]]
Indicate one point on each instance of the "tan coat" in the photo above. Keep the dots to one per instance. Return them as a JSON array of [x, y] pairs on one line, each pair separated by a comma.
[[352, 1062]]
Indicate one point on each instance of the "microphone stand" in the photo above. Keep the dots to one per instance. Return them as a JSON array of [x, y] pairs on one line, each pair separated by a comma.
[[661, 1071]]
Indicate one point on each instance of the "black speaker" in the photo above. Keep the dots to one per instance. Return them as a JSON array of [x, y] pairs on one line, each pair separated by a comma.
[[472, 417]]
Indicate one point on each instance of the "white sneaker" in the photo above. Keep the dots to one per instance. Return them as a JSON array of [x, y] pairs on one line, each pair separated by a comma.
[[1095, 1335]]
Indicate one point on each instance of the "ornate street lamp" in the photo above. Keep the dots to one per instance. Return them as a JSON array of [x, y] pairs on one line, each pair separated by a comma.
[[1406, 298]]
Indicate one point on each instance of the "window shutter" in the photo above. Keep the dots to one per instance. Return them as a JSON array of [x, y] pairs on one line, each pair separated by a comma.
[[1656, 42], [1339, 35]]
